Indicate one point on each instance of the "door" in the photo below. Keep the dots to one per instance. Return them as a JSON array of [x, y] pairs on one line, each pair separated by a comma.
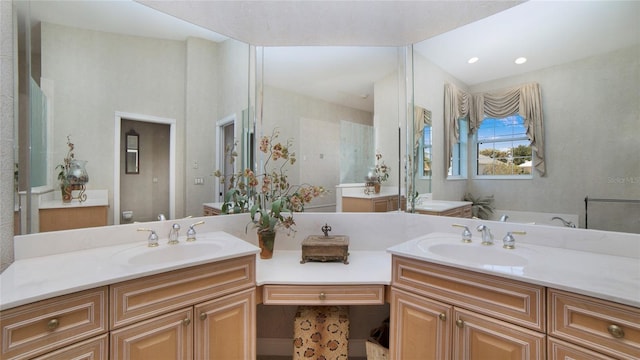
[[225, 328], [226, 147], [168, 336], [423, 327]]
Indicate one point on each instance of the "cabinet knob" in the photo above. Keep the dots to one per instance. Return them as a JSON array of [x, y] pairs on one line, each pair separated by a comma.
[[616, 331], [203, 316], [322, 296], [53, 324], [186, 322], [460, 323], [442, 316]]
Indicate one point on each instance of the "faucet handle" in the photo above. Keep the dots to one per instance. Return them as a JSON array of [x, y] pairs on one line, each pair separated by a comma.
[[191, 233], [509, 242], [153, 237], [466, 233]]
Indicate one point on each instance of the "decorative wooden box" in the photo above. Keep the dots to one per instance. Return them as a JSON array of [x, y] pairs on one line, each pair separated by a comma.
[[325, 247]]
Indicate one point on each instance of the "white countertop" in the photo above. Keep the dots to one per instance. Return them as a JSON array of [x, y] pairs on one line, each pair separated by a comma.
[[39, 278], [104, 256], [440, 205], [94, 198], [609, 277], [365, 267]]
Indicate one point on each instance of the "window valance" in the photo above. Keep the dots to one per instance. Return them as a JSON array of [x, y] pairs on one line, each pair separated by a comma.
[[524, 100]]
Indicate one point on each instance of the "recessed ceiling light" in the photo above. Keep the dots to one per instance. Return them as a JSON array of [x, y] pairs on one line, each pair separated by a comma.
[[472, 60], [521, 60]]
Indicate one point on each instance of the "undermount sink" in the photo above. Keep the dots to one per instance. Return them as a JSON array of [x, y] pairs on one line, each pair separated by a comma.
[[169, 253], [493, 255]]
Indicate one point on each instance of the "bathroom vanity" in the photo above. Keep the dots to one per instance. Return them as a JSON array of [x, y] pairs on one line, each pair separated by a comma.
[[446, 301]]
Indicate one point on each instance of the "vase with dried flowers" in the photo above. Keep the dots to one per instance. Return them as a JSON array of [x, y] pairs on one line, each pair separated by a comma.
[[381, 172], [268, 196]]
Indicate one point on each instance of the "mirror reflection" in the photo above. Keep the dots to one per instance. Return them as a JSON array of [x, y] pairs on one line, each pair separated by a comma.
[[122, 65], [586, 61], [342, 103]]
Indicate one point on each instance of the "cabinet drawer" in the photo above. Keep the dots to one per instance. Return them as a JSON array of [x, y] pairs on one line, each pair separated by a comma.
[[139, 299], [93, 349], [41, 327], [323, 294], [513, 301], [592, 323], [562, 350]]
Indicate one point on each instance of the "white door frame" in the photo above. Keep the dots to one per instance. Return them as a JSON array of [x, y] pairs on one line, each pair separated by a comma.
[[220, 124], [116, 162]]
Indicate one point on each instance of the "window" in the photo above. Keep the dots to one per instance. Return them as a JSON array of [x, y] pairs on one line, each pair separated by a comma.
[[458, 164], [425, 154], [502, 148]]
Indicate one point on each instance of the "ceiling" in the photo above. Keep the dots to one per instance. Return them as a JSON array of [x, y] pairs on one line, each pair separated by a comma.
[[447, 33]]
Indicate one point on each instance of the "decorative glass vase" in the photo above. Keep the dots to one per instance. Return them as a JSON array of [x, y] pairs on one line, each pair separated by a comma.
[[266, 240], [77, 174]]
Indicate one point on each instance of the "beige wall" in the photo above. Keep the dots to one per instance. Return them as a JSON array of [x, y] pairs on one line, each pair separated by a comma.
[[286, 111]]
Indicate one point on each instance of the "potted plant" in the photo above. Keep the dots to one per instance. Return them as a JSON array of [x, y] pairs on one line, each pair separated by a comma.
[[65, 185], [481, 207], [267, 195], [382, 172]]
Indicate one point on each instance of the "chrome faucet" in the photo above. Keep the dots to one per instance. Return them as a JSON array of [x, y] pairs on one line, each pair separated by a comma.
[[487, 237], [564, 222], [153, 238], [173, 234], [191, 233], [509, 242], [504, 217], [466, 234]]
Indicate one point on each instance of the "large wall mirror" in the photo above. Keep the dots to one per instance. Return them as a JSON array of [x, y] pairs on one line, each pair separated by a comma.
[[586, 57], [340, 105], [98, 69]]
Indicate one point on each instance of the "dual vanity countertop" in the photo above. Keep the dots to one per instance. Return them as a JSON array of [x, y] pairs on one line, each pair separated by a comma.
[[608, 277]]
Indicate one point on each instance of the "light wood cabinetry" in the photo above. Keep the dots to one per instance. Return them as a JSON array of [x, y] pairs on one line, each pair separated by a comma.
[[93, 349], [167, 336], [204, 312], [593, 324], [421, 327], [471, 315], [323, 295], [226, 328], [562, 350], [35, 329], [373, 203], [65, 218], [210, 211], [461, 211]]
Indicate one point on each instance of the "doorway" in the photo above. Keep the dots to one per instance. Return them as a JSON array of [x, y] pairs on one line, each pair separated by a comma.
[[144, 194], [225, 134]]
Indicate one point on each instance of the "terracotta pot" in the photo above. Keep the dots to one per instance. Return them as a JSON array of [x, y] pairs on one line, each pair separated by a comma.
[[266, 240]]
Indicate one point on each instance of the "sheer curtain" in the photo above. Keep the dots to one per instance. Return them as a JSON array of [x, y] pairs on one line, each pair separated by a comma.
[[524, 100]]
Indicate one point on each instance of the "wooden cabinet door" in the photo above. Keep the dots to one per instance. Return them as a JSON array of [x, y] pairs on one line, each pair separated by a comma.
[[422, 327], [225, 328], [168, 336], [478, 337]]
